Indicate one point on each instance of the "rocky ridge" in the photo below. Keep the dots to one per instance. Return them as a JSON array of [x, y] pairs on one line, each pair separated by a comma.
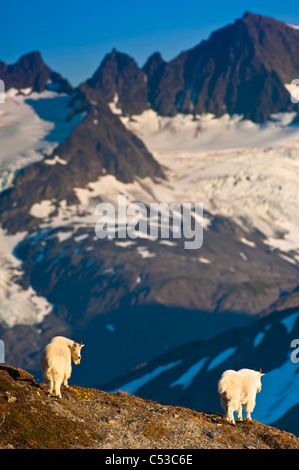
[[241, 68], [30, 71], [91, 419]]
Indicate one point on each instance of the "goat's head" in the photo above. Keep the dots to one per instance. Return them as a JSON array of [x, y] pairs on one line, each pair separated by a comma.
[[259, 375], [76, 352]]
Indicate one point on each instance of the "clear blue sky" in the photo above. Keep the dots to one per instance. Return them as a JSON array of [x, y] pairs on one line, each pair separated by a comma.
[[73, 36]]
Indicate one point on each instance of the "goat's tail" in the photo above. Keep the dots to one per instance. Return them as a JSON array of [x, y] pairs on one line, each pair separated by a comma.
[[222, 385]]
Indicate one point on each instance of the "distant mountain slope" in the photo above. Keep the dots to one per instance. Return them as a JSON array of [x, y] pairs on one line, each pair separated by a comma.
[[187, 375]]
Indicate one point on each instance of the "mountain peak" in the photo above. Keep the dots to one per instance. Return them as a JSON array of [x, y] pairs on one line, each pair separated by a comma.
[[249, 14], [30, 71], [32, 58], [265, 22], [119, 75], [241, 69]]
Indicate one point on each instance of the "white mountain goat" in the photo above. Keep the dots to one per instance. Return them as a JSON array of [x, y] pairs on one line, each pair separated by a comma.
[[56, 362], [237, 388]]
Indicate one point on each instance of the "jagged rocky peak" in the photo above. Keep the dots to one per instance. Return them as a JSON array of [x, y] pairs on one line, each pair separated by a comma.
[[154, 68], [30, 71], [275, 44], [119, 78], [242, 68]]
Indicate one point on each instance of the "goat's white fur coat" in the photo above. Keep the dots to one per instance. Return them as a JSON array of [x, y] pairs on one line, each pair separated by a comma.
[[56, 362], [237, 388]]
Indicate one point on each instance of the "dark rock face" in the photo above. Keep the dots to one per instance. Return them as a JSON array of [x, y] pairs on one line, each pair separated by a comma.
[[240, 69], [102, 139], [154, 69], [30, 71], [119, 74]]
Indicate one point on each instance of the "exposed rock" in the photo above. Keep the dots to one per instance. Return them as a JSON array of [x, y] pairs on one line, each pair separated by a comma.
[[89, 419], [240, 69], [118, 75], [30, 71]]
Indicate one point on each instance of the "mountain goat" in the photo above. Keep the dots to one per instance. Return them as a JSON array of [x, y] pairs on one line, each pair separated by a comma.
[[56, 362], [237, 388]]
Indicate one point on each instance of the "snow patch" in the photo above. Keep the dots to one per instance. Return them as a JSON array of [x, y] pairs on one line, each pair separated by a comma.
[[221, 357], [258, 339], [53, 161], [248, 242], [125, 243], [287, 258], [110, 328], [107, 271], [145, 252], [293, 26], [167, 243], [289, 322], [134, 385], [279, 393], [204, 260], [113, 105], [17, 305], [80, 238], [42, 209], [187, 378]]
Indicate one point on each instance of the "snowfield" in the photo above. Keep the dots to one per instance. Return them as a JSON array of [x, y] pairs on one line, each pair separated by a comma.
[[31, 126], [236, 168], [17, 305], [184, 134]]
